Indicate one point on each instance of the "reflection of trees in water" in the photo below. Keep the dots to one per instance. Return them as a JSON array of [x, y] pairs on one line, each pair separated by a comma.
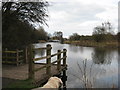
[[102, 56], [118, 53], [40, 52], [73, 48]]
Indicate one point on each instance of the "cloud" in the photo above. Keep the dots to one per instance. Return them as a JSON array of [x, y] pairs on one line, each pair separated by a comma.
[[80, 16]]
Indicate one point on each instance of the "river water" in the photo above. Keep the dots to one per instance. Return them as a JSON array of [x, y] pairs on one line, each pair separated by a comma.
[[94, 67]]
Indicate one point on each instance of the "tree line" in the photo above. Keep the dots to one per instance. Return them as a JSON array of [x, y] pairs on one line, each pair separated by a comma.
[[18, 29], [100, 34]]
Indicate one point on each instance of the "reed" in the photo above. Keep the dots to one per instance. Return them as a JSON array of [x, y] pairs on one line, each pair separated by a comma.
[[87, 43], [85, 74]]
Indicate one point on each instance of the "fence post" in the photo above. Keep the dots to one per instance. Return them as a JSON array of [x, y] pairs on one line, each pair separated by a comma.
[[31, 62], [58, 60], [64, 57], [48, 61], [17, 57], [26, 55]]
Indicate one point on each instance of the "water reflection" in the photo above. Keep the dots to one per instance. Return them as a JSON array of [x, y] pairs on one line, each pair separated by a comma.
[[73, 48], [105, 64], [40, 52], [101, 56]]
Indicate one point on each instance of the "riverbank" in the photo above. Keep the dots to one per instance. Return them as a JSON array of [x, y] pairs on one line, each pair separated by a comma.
[[110, 44]]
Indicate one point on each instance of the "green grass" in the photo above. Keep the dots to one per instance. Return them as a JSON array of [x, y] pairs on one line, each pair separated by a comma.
[[22, 84]]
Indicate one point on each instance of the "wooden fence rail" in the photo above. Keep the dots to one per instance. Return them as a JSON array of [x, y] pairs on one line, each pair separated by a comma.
[[12, 57], [48, 56]]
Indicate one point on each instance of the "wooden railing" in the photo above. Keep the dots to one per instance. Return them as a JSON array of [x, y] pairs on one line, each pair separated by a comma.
[[48, 63], [12, 57]]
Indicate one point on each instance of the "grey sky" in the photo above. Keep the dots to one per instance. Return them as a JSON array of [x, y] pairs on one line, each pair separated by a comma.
[[81, 16]]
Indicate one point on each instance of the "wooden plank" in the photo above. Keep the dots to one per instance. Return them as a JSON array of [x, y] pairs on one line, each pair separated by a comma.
[[39, 48], [9, 57], [58, 60], [46, 57], [54, 54], [41, 58], [37, 59], [54, 62], [10, 62], [48, 65], [20, 51], [12, 51], [9, 51]]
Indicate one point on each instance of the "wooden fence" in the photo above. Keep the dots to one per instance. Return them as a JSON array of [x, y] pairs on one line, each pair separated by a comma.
[[48, 64], [12, 57]]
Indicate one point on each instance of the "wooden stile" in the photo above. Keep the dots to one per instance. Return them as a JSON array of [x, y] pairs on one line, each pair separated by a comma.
[[48, 63]]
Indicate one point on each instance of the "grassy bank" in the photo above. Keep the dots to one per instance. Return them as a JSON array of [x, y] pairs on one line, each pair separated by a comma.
[[24, 84], [110, 44]]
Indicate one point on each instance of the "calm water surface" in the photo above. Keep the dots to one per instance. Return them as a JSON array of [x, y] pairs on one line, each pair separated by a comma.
[[101, 65]]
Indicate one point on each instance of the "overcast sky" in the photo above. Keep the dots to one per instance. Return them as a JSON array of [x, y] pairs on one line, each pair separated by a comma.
[[81, 16]]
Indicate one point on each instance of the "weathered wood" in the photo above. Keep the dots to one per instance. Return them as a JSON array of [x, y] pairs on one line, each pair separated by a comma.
[[40, 48], [46, 57], [54, 62], [48, 64], [48, 60], [41, 58], [54, 54], [20, 51], [59, 60], [33, 67], [64, 59], [5, 54], [17, 57], [10, 62], [12, 56], [9, 51], [9, 57], [31, 62], [26, 54]]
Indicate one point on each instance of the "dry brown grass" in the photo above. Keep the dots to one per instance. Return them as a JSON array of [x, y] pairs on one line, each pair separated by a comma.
[[111, 44]]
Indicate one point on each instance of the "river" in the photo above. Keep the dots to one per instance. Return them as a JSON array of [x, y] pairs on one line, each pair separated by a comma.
[[96, 67]]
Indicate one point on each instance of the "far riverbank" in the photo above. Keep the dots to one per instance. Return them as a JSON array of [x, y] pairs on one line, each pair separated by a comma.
[[110, 44]]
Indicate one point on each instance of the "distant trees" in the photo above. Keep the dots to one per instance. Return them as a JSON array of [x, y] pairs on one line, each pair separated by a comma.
[[74, 36], [57, 35], [103, 33]]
